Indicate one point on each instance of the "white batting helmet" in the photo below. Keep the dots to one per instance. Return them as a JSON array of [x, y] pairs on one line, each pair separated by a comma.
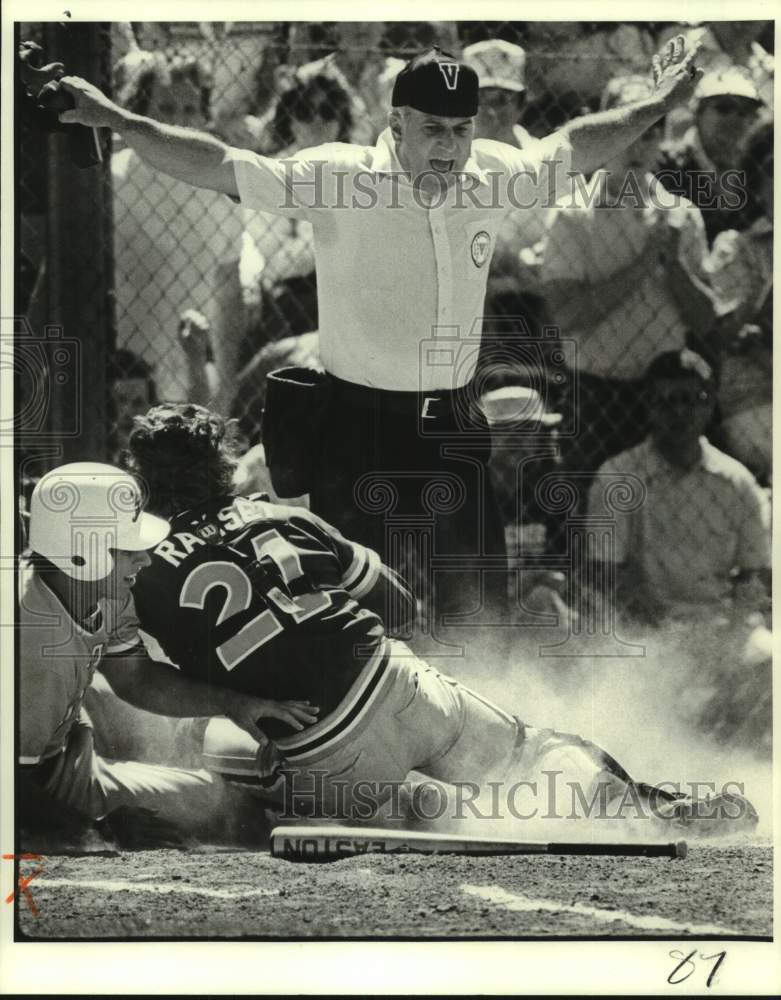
[[80, 511]]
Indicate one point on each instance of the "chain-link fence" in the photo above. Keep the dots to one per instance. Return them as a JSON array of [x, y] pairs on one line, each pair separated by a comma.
[[176, 293], [278, 87]]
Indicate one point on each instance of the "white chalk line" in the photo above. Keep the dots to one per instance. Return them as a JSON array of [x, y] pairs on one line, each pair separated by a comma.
[[161, 888], [518, 902]]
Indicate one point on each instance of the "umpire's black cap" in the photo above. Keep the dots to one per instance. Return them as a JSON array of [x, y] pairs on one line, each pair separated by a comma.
[[438, 84]]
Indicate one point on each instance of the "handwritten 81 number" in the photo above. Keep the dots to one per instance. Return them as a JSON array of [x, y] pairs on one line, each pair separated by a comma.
[[687, 965]]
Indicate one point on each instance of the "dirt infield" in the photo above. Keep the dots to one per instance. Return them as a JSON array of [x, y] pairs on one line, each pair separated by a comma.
[[718, 891]]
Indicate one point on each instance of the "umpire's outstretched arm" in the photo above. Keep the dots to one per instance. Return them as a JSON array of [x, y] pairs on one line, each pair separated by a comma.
[[194, 157], [199, 159], [595, 139]]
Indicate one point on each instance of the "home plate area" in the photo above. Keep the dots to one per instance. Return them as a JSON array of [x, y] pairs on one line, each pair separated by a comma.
[[717, 891]]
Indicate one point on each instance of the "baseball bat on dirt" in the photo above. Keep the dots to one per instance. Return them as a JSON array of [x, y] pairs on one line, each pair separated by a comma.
[[329, 843]]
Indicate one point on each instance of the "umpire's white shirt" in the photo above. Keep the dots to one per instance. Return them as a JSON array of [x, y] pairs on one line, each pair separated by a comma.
[[401, 282]]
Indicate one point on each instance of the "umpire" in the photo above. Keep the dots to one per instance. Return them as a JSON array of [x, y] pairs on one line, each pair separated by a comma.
[[404, 233]]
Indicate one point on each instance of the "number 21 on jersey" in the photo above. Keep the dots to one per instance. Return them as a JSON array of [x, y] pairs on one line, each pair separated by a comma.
[[238, 597]]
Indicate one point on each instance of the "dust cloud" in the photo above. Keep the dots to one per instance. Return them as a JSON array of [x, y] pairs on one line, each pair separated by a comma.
[[680, 711]]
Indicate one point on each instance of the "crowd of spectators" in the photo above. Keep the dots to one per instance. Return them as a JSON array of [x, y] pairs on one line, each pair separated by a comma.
[[667, 250]]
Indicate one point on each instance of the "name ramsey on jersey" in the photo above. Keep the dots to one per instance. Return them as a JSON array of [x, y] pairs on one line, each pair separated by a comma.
[[268, 599]]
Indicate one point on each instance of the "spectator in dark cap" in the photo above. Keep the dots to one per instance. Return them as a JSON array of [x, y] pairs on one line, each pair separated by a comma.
[[691, 554], [404, 233], [699, 542]]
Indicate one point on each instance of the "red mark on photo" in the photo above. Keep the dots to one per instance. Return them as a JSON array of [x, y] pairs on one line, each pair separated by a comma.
[[23, 882]]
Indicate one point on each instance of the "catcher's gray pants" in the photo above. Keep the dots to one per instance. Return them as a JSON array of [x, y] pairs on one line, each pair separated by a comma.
[[92, 786]]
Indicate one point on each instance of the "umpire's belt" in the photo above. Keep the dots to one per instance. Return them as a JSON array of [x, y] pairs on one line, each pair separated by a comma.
[[346, 717], [426, 405]]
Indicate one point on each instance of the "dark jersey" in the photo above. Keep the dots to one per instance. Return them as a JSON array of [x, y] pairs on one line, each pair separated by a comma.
[[262, 598]]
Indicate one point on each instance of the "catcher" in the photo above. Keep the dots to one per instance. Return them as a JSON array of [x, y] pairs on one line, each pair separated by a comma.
[[89, 539], [272, 601]]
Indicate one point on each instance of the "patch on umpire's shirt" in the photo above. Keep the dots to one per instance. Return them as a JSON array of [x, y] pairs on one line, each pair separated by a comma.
[[481, 244]]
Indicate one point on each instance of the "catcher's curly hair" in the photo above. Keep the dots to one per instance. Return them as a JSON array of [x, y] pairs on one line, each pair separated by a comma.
[[184, 454]]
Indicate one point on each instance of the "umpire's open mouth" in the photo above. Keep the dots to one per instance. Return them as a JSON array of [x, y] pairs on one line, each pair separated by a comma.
[[442, 166]]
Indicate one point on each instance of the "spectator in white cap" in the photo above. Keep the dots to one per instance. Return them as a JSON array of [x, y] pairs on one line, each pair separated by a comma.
[[742, 44], [500, 67], [703, 166], [513, 301], [524, 449]]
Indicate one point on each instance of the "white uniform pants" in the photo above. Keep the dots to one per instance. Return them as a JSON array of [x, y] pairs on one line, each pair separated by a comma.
[[400, 715]]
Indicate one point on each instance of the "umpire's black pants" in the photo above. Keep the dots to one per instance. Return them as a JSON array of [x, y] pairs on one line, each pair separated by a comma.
[[406, 474]]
